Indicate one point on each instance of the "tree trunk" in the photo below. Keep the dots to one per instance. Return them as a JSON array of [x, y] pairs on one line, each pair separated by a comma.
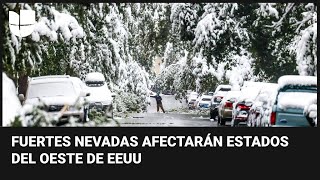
[[23, 84]]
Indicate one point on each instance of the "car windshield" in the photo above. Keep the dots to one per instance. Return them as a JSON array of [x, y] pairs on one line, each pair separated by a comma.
[[51, 89]]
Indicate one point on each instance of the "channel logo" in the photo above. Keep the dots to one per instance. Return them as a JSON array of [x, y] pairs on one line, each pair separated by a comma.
[[22, 25]]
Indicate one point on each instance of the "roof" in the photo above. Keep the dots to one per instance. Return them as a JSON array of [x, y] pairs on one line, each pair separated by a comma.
[[95, 76], [50, 78], [297, 80], [233, 94], [206, 96]]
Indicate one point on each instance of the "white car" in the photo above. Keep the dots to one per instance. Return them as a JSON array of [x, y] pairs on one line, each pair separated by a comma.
[[192, 100], [204, 102], [100, 96], [62, 95], [262, 106], [11, 104], [223, 89]]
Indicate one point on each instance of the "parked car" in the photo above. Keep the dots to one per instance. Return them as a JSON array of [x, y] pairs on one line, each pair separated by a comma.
[[243, 104], [294, 93], [192, 100], [215, 101], [204, 102], [217, 97], [223, 88], [10, 102], [100, 97], [62, 95], [261, 108], [225, 107], [210, 93]]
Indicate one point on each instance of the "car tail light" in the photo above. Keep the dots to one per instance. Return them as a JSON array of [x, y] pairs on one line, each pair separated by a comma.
[[243, 107], [273, 118], [228, 104]]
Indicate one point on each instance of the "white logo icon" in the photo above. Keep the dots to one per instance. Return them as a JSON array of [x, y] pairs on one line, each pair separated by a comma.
[[22, 25]]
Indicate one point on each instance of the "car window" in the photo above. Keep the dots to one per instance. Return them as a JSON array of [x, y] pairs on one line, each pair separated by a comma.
[[206, 99], [295, 99], [225, 89], [51, 89], [95, 83]]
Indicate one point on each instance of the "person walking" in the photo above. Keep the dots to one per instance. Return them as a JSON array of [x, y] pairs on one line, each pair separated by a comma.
[[159, 102]]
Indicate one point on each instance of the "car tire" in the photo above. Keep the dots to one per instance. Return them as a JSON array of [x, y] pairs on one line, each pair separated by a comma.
[[223, 121], [235, 123]]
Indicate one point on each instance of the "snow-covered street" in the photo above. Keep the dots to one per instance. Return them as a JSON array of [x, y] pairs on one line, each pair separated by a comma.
[[175, 117], [253, 64]]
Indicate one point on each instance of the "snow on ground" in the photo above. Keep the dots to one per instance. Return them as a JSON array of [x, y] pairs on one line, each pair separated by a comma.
[[10, 101], [297, 80]]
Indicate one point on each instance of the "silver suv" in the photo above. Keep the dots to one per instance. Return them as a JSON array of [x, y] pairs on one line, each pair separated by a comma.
[[62, 95]]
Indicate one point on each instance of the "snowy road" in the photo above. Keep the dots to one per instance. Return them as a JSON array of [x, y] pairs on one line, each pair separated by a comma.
[[168, 119]]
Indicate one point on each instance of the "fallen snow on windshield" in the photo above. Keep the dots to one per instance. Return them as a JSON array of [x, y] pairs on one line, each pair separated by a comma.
[[296, 100], [297, 80], [10, 101], [51, 89]]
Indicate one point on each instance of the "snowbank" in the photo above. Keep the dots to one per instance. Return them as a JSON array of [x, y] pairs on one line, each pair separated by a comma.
[[296, 80], [10, 102]]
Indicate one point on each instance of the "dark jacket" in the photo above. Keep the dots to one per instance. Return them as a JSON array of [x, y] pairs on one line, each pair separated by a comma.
[[158, 99]]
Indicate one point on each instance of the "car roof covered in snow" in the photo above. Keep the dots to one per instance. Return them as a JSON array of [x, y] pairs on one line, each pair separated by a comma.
[[48, 79], [232, 94], [95, 77], [222, 86], [253, 84], [206, 97], [297, 80]]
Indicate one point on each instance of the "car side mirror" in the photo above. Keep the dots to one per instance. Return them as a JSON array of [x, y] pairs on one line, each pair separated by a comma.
[[21, 97], [88, 94]]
